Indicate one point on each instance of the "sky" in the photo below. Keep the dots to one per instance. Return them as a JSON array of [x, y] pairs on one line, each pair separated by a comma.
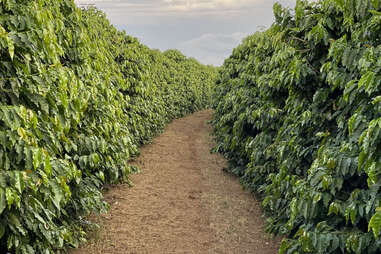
[[207, 30]]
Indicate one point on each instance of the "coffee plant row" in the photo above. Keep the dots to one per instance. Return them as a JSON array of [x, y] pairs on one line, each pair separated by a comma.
[[298, 115], [77, 99]]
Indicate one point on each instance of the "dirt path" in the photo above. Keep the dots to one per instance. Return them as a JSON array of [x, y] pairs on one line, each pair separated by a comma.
[[181, 202]]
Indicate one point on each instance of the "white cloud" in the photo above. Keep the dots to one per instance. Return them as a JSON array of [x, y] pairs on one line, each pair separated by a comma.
[[191, 5], [212, 48], [204, 29], [148, 11], [179, 7], [82, 2], [215, 42]]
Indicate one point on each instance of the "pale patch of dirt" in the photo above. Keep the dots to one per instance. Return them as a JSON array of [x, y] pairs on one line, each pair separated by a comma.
[[181, 202]]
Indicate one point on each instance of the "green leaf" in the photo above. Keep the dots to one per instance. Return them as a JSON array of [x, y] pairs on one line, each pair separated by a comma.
[[361, 160], [58, 195], [317, 197], [374, 12], [10, 43], [17, 181], [37, 158], [11, 47], [375, 224], [284, 246], [47, 166], [9, 196], [376, 100], [3, 200], [367, 81]]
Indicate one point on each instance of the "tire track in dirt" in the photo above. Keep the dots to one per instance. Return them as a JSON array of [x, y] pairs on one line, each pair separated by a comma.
[[181, 202]]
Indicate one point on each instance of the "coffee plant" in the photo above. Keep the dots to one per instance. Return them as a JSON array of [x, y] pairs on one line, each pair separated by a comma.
[[78, 97], [298, 115]]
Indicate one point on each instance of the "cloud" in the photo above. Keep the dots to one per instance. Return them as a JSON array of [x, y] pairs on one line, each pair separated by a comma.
[[179, 7], [205, 29], [191, 5], [148, 11], [215, 42], [212, 48]]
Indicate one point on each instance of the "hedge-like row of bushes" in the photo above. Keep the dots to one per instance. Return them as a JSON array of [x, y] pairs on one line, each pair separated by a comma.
[[298, 115], [77, 99]]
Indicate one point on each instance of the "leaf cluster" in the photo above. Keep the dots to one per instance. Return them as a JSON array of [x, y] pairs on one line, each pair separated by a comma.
[[297, 113], [77, 99]]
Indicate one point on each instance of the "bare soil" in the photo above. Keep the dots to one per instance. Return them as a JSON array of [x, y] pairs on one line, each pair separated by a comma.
[[181, 202]]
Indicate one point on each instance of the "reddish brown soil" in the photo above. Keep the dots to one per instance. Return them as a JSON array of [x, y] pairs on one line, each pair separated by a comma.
[[181, 202]]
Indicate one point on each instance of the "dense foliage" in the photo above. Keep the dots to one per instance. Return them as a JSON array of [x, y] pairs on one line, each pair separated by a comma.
[[298, 115], [77, 98]]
